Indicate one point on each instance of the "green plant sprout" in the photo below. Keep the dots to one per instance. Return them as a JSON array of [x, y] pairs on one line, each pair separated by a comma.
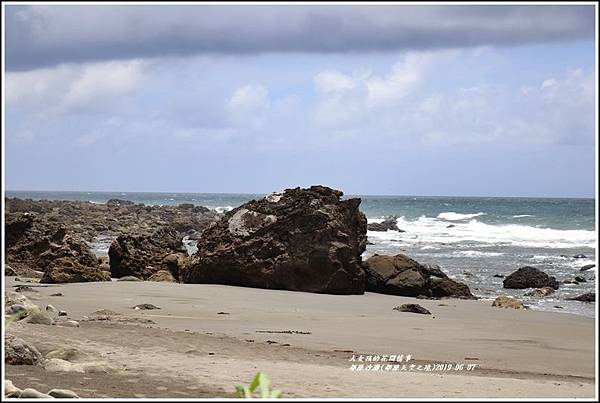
[[262, 383], [10, 319]]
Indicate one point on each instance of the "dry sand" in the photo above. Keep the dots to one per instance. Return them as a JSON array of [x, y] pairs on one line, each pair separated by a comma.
[[207, 338]]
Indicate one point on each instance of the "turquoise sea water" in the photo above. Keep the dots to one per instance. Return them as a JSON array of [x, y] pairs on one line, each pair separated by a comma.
[[471, 238]]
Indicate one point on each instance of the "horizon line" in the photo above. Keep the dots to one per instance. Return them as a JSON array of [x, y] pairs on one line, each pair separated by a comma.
[[265, 193]]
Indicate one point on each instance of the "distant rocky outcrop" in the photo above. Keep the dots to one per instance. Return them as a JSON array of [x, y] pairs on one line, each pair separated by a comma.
[[401, 275], [87, 220], [300, 239], [389, 224], [529, 277], [142, 255]]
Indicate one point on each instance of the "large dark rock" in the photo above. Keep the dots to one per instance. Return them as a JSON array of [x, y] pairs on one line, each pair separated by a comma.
[[143, 255], [529, 277], [300, 239], [401, 275], [33, 243]]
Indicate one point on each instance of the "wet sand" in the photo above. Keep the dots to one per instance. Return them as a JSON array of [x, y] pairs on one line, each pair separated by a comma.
[[207, 338]]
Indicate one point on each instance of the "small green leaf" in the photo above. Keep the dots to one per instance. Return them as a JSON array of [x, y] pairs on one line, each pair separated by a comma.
[[275, 394], [255, 382], [239, 390]]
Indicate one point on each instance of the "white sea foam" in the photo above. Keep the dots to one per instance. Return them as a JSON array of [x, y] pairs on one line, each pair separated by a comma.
[[476, 253], [452, 216], [523, 215], [427, 230], [223, 209]]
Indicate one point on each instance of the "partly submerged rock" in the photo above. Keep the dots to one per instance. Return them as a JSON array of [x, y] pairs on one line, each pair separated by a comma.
[[504, 301], [586, 297], [540, 292], [401, 275], [389, 224], [530, 277], [413, 308], [300, 240], [587, 267]]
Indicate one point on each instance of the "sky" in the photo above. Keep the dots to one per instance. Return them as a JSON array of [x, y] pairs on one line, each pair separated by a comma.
[[381, 100]]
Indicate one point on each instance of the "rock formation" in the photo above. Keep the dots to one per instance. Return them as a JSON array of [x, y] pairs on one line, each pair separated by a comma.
[[142, 255], [300, 239]]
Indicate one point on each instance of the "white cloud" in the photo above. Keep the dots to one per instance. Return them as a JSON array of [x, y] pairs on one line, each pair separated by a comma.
[[332, 81], [403, 79], [401, 108], [70, 87], [249, 105]]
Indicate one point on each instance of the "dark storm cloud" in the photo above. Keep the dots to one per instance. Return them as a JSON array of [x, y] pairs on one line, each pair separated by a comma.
[[41, 36]]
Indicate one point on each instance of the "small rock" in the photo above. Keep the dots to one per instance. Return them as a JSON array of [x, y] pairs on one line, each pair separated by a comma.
[[145, 307], [163, 276], [63, 393], [413, 308], [57, 294], [52, 311], [11, 390], [499, 275], [24, 288], [587, 297], [129, 278], [20, 352], [587, 267], [580, 256], [580, 279], [540, 292], [62, 313], [450, 226], [504, 301], [32, 393], [38, 317]]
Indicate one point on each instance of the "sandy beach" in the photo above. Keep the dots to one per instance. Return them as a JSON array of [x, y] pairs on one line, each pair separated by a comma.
[[204, 339]]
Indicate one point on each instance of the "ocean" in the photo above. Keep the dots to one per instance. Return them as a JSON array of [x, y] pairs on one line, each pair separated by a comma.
[[470, 238]]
